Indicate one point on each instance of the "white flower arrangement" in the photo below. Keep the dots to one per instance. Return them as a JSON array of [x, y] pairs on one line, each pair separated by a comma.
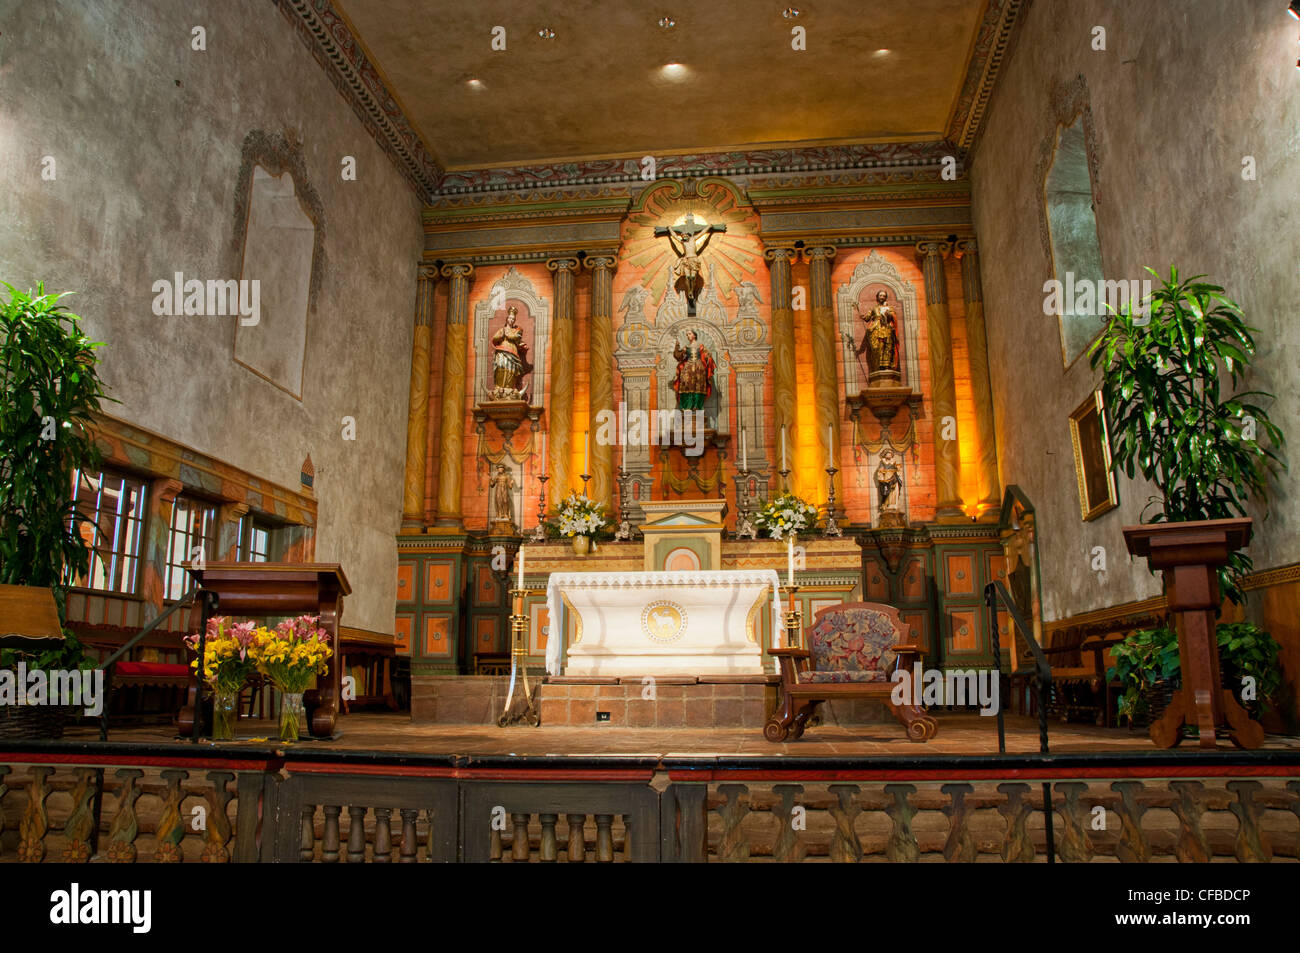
[[580, 516], [787, 515]]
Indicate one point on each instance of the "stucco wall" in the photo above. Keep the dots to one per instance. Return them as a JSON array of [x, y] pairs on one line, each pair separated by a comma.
[[146, 134], [1182, 93]]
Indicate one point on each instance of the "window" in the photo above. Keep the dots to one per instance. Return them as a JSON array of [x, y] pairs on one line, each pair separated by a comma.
[[194, 525], [254, 540], [114, 507]]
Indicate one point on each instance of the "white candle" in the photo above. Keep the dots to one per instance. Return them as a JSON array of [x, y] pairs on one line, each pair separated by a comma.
[[830, 443], [783, 466], [744, 452], [789, 560], [521, 567], [543, 451], [586, 450]]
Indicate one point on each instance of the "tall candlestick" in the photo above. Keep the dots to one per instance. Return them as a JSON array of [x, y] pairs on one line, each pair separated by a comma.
[[744, 452], [521, 566], [789, 560], [783, 466]]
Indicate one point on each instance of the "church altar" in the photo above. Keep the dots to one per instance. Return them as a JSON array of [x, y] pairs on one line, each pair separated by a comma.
[[661, 623]]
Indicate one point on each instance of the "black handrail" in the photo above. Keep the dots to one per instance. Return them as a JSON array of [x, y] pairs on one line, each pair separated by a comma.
[[994, 593], [183, 602]]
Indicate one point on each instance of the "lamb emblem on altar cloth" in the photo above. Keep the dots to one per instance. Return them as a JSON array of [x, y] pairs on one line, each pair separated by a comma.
[[851, 646], [663, 621]]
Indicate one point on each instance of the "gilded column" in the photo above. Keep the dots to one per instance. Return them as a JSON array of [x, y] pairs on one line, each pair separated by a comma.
[[943, 388], [602, 374], [560, 414], [784, 387], [825, 373], [417, 419], [981, 386], [455, 354]]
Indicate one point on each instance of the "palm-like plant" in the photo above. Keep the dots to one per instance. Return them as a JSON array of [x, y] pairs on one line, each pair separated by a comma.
[[48, 388], [1170, 379]]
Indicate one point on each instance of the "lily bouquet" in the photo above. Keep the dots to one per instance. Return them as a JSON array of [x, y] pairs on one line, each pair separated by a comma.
[[787, 515], [293, 653], [580, 516], [229, 653]]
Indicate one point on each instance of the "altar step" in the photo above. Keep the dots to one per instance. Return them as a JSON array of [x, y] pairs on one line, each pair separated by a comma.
[[705, 701]]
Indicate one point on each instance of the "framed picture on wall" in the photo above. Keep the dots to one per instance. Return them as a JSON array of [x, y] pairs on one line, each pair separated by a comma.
[[1097, 493]]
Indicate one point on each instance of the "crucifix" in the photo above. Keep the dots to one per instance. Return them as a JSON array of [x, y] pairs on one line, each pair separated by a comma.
[[687, 269]]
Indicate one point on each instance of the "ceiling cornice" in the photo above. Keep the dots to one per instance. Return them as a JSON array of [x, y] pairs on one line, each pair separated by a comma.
[[331, 41], [991, 42]]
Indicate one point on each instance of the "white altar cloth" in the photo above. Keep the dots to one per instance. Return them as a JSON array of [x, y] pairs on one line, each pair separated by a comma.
[[662, 623]]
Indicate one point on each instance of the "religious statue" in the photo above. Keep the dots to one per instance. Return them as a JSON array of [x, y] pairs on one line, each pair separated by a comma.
[[509, 360], [687, 270], [880, 342], [502, 486], [889, 484], [694, 380]]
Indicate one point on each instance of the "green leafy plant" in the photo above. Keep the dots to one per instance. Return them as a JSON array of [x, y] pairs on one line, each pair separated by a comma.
[[1171, 367], [49, 387], [1148, 657]]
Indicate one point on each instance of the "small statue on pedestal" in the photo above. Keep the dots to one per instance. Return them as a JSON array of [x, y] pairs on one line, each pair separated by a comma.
[[502, 487], [889, 489], [509, 360], [880, 343]]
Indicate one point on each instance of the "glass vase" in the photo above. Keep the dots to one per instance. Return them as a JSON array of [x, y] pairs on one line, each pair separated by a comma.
[[291, 715], [225, 713]]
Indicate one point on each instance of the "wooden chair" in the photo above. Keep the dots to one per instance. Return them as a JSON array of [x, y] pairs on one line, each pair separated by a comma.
[[854, 649]]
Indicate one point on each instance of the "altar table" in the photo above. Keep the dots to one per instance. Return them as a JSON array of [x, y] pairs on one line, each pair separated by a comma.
[[661, 623]]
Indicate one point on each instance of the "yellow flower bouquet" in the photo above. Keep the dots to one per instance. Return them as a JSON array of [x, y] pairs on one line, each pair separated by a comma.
[[229, 657], [291, 655]]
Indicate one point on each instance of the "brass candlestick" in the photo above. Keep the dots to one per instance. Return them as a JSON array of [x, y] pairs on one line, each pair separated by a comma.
[[744, 525], [793, 619], [832, 527], [521, 701], [539, 534]]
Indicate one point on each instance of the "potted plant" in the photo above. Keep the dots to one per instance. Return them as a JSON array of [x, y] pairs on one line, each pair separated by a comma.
[[49, 387], [1171, 367], [580, 519], [1147, 668]]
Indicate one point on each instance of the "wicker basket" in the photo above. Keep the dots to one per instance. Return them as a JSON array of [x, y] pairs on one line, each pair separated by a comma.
[[32, 722]]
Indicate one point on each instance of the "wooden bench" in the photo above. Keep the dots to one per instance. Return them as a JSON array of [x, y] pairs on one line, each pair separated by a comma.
[[1080, 689], [853, 650]]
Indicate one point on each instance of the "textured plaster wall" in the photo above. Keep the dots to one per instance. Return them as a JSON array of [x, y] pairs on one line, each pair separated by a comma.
[[146, 135], [1177, 100]]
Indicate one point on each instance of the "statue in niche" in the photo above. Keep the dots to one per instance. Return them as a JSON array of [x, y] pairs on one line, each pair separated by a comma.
[[502, 488], [509, 359], [889, 484], [880, 342], [682, 239], [694, 381]]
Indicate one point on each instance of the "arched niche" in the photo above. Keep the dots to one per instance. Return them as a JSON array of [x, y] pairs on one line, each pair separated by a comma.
[[876, 269]]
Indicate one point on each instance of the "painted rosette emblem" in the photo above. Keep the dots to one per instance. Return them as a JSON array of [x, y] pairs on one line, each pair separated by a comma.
[[663, 621]]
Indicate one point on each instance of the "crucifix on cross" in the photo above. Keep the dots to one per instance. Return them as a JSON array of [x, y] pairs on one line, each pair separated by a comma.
[[687, 269]]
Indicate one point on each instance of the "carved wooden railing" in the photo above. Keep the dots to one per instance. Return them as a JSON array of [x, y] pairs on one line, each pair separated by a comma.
[[78, 803]]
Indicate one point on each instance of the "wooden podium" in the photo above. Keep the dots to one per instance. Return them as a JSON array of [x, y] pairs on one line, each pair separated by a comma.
[[283, 589]]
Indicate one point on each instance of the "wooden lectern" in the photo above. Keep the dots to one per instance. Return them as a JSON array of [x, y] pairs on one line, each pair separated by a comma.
[[1189, 555], [283, 589]]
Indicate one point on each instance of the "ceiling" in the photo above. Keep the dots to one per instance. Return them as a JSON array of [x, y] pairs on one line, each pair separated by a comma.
[[598, 88]]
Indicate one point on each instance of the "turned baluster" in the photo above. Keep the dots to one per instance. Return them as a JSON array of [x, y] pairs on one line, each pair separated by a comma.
[[307, 842], [383, 849], [410, 843], [548, 849], [519, 841], [604, 839], [330, 848], [494, 846], [357, 835], [627, 838], [577, 838]]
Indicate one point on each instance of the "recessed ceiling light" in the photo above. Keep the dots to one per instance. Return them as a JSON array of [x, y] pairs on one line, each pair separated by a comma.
[[674, 71], [475, 84], [883, 52], [790, 12], [667, 22], [546, 34]]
